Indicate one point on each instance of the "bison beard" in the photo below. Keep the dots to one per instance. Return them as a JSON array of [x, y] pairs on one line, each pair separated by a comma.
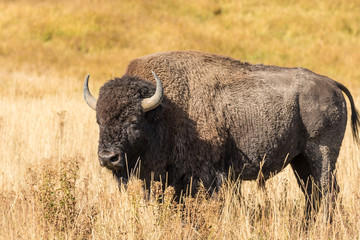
[[217, 113], [119, 176]]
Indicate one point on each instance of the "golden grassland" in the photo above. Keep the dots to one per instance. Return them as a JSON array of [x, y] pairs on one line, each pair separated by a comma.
[[51, 183]]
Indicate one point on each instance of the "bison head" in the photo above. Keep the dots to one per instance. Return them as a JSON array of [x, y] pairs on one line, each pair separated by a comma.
[[125, 126]]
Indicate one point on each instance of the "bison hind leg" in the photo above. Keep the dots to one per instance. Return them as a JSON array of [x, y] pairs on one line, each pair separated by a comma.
[[323, 158], [315, 170], [304, 177]]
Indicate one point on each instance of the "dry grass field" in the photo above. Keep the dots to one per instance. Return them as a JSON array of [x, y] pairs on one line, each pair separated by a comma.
[[51, 184]]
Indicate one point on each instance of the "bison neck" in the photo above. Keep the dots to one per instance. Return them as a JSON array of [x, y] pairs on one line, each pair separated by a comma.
[[176, 153]]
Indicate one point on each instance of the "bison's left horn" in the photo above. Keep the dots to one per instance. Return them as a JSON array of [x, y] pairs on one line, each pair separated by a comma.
[[90, 100], [154, 101]]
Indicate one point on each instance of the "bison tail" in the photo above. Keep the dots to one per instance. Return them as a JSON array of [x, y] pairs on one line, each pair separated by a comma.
[[355, 122]]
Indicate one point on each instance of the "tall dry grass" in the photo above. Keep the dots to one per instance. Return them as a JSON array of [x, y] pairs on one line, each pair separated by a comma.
[[51, 183]]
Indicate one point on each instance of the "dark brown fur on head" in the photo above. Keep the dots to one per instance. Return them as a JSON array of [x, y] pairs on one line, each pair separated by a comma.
[[124, 126], [122, 97]]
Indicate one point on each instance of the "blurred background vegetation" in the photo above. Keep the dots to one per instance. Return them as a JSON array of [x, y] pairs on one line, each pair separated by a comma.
[[72, 38]]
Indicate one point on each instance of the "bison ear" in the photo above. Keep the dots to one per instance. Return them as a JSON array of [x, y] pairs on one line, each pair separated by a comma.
[[154, 115]]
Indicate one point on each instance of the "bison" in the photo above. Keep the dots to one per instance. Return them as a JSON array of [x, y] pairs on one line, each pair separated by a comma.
[[213, 115]]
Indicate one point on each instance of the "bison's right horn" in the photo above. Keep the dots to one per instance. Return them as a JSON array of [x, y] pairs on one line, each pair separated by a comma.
[[90, 100], [154, 101]]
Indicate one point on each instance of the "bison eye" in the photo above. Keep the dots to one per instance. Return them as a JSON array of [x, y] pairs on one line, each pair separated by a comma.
[[134, 122]]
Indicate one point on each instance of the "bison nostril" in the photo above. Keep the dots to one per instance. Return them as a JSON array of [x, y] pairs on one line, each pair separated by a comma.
[[108, 157], [111, 159], [114, 158]]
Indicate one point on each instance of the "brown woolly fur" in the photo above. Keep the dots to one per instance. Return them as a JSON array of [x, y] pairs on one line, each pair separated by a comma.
[[121, 94], [219, 115]]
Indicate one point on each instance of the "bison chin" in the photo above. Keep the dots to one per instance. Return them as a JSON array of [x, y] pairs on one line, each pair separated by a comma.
[[121, 177]]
